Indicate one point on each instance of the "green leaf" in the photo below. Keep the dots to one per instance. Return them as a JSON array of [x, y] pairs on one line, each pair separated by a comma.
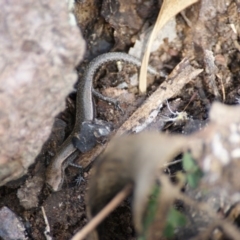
[[152, 207], [193, 172], [168, 231], [189, 164], [151, 210], [174, 219], [193, 179]]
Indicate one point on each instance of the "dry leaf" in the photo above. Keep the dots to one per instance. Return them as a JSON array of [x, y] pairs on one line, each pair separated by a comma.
[[127, 159], [169, 9], [138, 158], [167, 32]]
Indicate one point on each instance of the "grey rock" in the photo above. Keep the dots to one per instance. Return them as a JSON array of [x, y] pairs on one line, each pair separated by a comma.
[[11, 227]]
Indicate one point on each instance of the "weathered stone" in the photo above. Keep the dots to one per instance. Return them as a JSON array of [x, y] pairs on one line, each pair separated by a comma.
[[39, 50]]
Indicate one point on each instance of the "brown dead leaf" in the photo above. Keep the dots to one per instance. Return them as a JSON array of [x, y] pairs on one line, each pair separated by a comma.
[[138, 158], [127, 160], [223, 114]]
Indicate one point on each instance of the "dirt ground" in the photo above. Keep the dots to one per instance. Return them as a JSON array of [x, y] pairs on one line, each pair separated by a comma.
[[209, 39]]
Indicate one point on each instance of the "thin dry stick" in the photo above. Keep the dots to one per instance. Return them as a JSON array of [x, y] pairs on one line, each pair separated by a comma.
[[223, 88], [103, 213], [47, 230]]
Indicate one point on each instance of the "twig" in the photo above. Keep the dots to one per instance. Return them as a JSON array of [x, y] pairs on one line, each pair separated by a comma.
[[103, 213], [180, 76], [223, 88], [47, 230]]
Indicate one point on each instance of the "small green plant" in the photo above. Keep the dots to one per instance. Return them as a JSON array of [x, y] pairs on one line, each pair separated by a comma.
[[151, 210], [193, 172], [174, 219]]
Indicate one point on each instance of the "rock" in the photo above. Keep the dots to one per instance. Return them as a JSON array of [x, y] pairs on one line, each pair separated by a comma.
[[11, 228], [39, 50]]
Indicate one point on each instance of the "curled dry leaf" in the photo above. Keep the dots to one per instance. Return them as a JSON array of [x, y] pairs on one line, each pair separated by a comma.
[[138, 158], [169, 9], [127, 159]]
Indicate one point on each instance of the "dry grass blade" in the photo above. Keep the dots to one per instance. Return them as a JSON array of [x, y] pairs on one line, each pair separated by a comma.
[[103, 214], [168, 10], [47, 229]]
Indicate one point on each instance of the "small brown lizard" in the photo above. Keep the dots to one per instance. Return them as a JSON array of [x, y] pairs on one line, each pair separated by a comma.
[[85, 126]]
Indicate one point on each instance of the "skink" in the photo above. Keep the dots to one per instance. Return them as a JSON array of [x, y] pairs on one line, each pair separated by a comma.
[[84, 120]]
